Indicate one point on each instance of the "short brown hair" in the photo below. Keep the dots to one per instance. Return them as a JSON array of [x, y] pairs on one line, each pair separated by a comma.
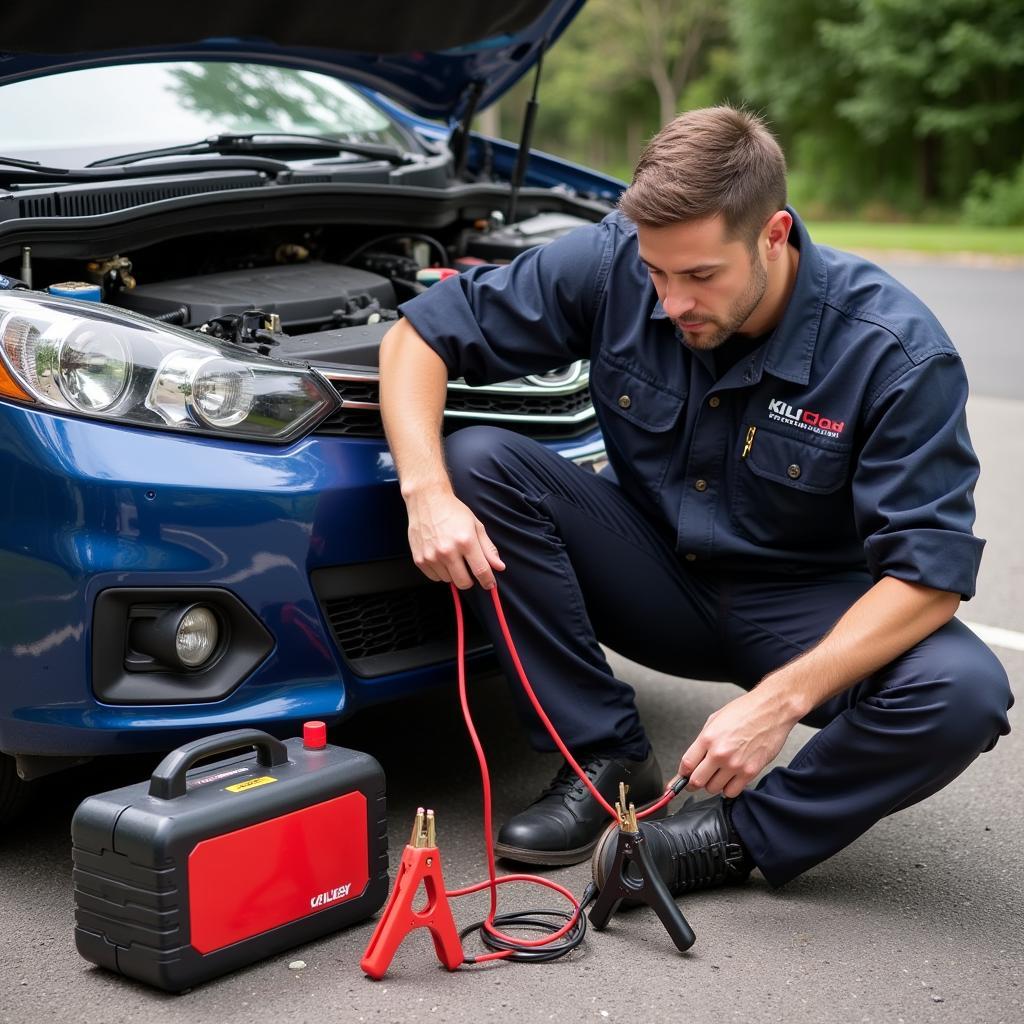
[[718, 160]]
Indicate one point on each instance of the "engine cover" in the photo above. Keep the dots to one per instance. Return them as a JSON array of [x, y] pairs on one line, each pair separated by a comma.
[[302, 294]]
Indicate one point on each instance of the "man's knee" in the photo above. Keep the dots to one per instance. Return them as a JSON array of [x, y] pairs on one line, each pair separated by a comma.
[[973, 691], [478, 456], [472, 446]]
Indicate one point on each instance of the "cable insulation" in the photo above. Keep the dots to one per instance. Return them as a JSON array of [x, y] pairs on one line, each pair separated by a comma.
[[557, 941]]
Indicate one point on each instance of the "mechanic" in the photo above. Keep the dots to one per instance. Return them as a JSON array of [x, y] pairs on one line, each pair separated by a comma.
[[789, 508]]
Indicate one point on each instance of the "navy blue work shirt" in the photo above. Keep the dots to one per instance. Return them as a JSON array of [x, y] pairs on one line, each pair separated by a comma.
[[839, 442]]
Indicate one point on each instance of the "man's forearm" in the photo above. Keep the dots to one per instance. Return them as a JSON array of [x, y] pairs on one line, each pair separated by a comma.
[[738, 740], [447, 541], [886, 622], [412, 395]]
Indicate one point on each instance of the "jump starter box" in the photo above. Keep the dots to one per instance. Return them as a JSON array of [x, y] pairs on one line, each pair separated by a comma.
[[202, 870]]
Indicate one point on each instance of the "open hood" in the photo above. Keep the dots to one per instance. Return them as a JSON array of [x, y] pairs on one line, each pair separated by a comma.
[[432, 58]]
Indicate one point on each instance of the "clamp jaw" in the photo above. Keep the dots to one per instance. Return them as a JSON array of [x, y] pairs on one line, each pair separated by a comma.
[[421, 862], [633, 875], [424, 830]]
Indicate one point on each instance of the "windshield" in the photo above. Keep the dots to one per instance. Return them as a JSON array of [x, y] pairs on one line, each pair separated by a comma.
[[72, 118]]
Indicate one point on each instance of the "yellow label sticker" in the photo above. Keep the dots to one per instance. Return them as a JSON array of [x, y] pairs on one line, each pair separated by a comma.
[[240, 787]]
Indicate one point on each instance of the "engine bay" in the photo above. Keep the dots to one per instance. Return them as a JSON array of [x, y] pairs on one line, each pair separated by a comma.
[[323, 294]]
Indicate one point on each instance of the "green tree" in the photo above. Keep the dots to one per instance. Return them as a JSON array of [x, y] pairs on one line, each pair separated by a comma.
[[618, 73], [943, 76], [785, 73], [666, 40], [902, 100]]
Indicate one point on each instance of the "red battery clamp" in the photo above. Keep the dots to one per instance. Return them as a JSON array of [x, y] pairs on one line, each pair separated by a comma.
[[200, 871], [421, 864]]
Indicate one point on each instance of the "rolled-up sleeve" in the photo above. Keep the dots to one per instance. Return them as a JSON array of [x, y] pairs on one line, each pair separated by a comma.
[[532, 315], [913, 488]]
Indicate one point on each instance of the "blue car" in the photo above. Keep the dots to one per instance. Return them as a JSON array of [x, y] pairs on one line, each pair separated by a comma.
[[201, 246]]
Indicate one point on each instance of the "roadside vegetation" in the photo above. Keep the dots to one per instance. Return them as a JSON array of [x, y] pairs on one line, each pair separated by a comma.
[[901, 119], [931, 238]]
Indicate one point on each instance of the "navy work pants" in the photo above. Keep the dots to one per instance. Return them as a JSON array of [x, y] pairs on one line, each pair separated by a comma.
[[585, 565]]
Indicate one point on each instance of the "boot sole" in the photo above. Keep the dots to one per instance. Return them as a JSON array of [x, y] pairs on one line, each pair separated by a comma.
[[562, 858], [551, 858]]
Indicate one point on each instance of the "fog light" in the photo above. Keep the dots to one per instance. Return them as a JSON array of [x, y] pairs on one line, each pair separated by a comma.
[[175, 639], [196, 637]]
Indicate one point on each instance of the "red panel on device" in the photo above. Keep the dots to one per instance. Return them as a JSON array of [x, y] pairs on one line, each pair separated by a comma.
[[246, 882]]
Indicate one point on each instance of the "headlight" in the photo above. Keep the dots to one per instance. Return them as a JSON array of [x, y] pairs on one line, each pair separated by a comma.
[[115, 365], [93, 368], [223, 393], [218, 392]]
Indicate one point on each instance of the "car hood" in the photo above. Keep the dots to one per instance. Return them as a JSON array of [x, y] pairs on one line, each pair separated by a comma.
[[431, 58]]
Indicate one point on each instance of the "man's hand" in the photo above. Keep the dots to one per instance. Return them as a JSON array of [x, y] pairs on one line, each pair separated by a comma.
[[444, 535], [741, 738], [737, 741], [448, 542]]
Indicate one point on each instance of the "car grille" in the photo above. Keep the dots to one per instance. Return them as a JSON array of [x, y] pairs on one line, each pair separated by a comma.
[[398, 630], [559, 411]]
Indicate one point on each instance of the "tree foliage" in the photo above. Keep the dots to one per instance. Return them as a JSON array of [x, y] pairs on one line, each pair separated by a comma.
[[943, 78], [891, 104], [620, 72], [996, 202]]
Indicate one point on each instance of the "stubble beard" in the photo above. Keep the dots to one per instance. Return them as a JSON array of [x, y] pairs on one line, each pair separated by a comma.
[[739, 312]]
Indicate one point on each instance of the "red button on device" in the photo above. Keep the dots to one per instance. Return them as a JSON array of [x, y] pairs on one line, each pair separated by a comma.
[[314, 735]]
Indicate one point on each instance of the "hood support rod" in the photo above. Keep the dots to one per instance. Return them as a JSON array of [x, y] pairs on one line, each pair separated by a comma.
[[523, 157], [459, 141]]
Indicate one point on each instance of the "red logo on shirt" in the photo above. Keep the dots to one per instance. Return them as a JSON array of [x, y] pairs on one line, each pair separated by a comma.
[[804, 419]]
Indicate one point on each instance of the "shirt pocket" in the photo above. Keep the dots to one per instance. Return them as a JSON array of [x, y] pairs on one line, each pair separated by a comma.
[[637, 418], [790, 493]]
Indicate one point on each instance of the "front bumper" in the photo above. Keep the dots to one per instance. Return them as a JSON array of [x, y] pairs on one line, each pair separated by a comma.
[[309, 538]]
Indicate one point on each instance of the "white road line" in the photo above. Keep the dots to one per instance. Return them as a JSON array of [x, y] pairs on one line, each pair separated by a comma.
[[998, 637]]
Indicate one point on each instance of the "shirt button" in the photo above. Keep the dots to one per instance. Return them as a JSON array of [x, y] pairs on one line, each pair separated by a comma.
[[691, 557], [702, 485], [793, 471], [625, 402], [714, 402]]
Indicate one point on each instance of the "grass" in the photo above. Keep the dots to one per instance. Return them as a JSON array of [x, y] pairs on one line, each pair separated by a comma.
[[934, 238]]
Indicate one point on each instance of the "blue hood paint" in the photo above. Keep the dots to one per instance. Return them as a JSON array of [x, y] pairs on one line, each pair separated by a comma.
[[434, 83]]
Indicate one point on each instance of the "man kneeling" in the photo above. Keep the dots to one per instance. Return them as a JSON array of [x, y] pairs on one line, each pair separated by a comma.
[[789, 508]]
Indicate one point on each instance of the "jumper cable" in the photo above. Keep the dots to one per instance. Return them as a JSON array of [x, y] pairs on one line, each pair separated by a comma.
[[508, 946], [421, 866]]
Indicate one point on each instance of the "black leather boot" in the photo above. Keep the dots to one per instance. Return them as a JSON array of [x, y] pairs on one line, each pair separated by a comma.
[[695, 848], [563, 825]]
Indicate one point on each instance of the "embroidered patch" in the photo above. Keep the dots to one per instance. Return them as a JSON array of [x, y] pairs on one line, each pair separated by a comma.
[[781, 412]]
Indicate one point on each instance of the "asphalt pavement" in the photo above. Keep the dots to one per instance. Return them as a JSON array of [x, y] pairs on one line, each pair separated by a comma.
[[921, 920]]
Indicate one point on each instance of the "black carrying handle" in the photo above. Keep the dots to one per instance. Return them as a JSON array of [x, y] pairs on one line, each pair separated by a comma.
[[168, 779]]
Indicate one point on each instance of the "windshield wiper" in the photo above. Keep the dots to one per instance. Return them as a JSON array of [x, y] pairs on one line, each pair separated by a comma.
[[230, 143], [12, 169]]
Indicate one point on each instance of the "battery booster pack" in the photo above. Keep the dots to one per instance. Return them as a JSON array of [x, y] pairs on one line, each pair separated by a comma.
[[203, 870]]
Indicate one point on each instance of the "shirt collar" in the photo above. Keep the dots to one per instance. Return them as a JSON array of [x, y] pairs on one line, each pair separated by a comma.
[[790, 347]]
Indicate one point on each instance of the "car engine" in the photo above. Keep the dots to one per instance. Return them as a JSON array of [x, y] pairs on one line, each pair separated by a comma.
[[302, 294]]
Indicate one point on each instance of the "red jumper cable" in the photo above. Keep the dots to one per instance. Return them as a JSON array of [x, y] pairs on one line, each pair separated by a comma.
[[421, 862]]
